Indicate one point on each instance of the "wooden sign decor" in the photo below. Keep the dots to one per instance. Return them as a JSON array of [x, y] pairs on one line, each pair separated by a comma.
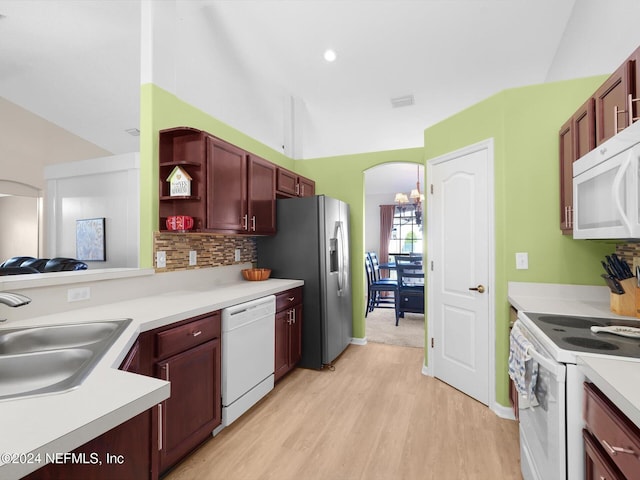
[[179, 183]]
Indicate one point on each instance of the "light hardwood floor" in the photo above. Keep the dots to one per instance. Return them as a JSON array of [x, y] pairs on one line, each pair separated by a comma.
[[375, 417]]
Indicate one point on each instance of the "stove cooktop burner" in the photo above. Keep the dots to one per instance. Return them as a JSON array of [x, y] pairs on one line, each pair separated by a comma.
[[574, 334], [590, 343], [564, 321]]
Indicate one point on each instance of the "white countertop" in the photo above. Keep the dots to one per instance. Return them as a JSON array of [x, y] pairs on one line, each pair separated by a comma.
[[59, 423], [618, 379], [583, 300]]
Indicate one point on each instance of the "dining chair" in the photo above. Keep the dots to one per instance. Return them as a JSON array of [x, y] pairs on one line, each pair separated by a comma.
[[375, 288], [376, 266], [410, 294]]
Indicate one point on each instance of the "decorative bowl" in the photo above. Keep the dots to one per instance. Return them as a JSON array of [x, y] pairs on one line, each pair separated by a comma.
[[256, 274]]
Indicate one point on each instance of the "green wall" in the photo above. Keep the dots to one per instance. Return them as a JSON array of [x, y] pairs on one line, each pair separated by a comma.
[[524, 124], [343, 178], [340, 177], [159, 110]]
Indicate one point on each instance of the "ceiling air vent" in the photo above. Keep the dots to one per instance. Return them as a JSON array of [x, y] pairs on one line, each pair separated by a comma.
[[404, 101]]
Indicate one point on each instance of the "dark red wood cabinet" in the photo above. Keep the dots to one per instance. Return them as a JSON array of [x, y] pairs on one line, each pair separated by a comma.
[[613, 107], [191, 413], [241, 190], [612, 100], [261, 197], [226, 187], [187, 354], [290, 184], [129, 447], [288, 343], [184, 147], [611, 440], [567, 157], [232, 191]]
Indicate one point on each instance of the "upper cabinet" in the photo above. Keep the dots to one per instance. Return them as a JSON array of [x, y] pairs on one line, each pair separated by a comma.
[[226, 187], [241, 190], [612, 99], [261, 204], [290, 184], [577, 137], [612, 108], [232, 191], [566, 176]]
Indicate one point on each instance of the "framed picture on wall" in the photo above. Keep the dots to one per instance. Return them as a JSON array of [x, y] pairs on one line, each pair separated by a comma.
[[90, 239]]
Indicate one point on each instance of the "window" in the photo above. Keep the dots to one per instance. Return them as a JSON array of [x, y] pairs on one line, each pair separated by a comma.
[[406, 235]]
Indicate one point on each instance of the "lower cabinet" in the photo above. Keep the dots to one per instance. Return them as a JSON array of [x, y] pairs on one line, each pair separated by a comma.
[[288, 346], [191, 413], [124, 452], [189, 356], [611, 440]]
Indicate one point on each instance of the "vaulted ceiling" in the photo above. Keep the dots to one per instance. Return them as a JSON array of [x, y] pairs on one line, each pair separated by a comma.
[[77, 62]]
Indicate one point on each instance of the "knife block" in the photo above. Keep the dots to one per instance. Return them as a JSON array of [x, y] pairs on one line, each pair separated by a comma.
[[625, 304]]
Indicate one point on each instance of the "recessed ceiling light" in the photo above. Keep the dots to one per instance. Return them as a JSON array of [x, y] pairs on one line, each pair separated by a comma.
[[330, 55], [134, 132]]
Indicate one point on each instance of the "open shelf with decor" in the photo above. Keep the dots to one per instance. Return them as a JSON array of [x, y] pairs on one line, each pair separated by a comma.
[[182, 175]]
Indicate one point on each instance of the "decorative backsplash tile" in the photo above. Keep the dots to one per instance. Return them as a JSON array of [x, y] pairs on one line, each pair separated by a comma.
[[213, 250], [629, 252]]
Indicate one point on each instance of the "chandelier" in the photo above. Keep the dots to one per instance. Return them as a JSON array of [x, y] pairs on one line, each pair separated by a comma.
[[415, 197]]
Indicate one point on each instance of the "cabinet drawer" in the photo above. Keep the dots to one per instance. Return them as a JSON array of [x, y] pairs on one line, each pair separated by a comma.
[[615, 433], [183, 337], [288, 299], [597, 463]]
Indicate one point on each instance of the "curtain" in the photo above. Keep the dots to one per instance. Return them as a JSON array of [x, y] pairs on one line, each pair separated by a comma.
[[386, 226]]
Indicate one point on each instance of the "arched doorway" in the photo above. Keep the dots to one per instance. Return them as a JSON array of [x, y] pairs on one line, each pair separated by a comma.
[[384, 185]]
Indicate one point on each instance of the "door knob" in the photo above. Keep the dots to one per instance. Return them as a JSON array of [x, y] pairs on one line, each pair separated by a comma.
[[479, 289]]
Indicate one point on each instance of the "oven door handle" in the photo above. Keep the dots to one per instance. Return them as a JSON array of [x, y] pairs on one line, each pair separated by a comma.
[[557, 369]]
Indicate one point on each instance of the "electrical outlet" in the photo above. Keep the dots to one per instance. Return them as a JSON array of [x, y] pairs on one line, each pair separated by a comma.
[[161, 259], [522, 261], [237, 255], [77, 294], [193, 257]]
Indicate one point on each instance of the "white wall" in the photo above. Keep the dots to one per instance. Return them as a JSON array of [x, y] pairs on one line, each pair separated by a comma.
[[597, 39], [188, 49], [106, 187], [19, 230]]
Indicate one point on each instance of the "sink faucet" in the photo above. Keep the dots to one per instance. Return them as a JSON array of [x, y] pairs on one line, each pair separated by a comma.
[[13, 299]]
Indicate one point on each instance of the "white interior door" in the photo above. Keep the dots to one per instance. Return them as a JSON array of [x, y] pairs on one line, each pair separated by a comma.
[[460, 226]]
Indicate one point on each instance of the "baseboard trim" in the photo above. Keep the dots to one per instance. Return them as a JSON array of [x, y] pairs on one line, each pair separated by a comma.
[[503, 412], [359, 341]]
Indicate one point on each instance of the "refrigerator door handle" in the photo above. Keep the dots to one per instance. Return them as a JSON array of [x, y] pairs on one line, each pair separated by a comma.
[[339, 233]]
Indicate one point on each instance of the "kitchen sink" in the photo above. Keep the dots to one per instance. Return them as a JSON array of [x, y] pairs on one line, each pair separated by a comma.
[[53, 370], [53, 358], [36, 339]]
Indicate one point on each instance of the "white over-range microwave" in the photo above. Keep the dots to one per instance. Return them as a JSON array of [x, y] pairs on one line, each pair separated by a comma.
[[606, 189]]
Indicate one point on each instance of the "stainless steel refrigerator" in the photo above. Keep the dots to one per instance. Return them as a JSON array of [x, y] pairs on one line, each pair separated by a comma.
[[312, 244]]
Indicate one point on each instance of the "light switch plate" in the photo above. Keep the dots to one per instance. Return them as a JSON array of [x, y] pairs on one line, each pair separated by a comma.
[[193, 257], [522, 261], [237, 255], [161, 259]]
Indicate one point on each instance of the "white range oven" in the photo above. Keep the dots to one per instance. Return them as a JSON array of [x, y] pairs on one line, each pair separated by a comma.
[[551, 445]]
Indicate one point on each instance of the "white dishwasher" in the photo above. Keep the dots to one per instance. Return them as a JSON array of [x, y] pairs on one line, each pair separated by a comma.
[[248, 351]]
